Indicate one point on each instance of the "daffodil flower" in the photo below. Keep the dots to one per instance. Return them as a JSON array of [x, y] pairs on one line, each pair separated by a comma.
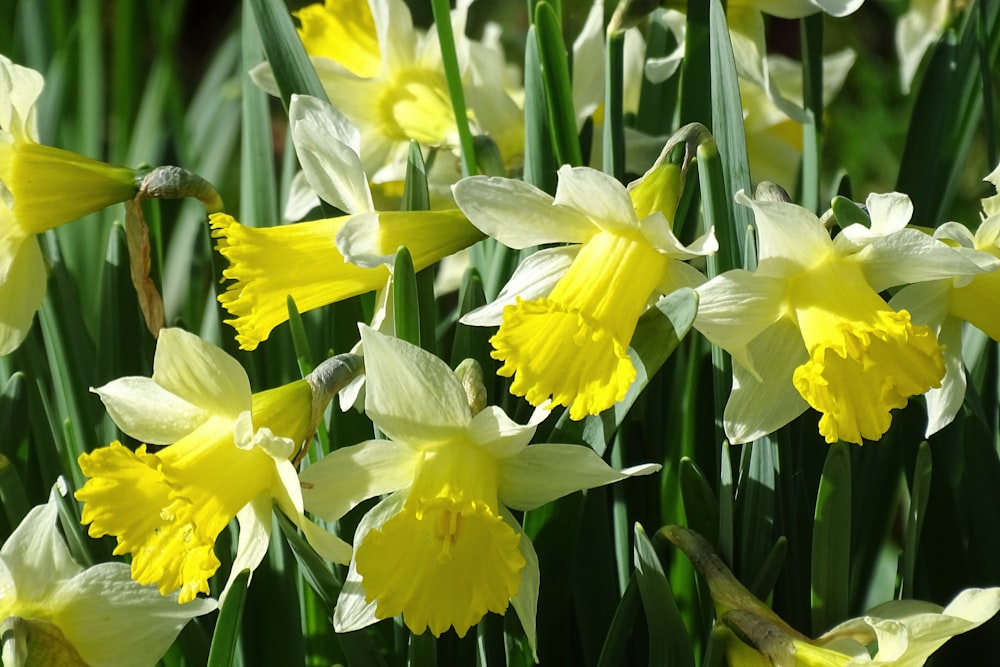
[[53, 611], [901, 633], [41, 187], [228, 455], [388, 79], [944, 305], [809, 328], [334, 258], [568, 313], [442, 549]]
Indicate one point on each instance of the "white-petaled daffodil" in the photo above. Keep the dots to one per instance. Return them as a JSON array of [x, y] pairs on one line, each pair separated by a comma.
[[41, 187], [53, 611], [442, 549], [333, 258], [808, 327], [568, 313], [945, 305], [228, 455]]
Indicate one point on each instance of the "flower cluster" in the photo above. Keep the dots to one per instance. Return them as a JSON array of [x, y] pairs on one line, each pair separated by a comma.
[[850, 315]]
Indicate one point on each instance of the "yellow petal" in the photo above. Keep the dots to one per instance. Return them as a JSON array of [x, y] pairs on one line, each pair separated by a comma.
[[343, 31], [448, 557], [573, 345], [269, 264], [51, 186], [864, 358]]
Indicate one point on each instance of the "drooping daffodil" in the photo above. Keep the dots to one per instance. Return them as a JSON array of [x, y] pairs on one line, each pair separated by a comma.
[[900, 633], [228, 455], [387, 77], [53, 611], [442, 549], [945, 305], [568, 313], [333, 258], [41, 188], [808, 327]]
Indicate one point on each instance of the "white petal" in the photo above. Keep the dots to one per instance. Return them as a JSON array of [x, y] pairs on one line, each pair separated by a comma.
[[598, 196], [328, 146], [200, 373], [302, 198], [944, 402], [787, 231], [114, 622], [35, 554], [678, 275], [21, 290], [498, 433], [889, 213], [255, 534], [128, 401], [525, 603], [588, 65], [19, 90], [342, 479], [757, 407], [262, 76], [736, 307], [352, 612], [411, 395], [534, 278], [957, 232], [908, 256], [519, 215], [544, 472]]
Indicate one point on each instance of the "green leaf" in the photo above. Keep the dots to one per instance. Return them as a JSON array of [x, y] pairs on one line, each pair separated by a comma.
[[618, 637], [558, 90], [258, 195], [669, 643], [920, 490], [831, 544], [727, 120], [449, 58], [614, 115], [227, 628], [848, 213], [700, 504], [406, 311], [539, 155]]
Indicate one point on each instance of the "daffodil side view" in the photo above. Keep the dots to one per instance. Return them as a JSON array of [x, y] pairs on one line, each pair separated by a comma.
[[500, 333]]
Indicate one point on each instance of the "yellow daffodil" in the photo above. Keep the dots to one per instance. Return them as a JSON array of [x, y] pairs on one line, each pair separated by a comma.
[[945, 305], [333, 258], [55, 612], [388, 79], [901, 633], [228, 456], [809, 327], [568, 313], [442, 549], [41, 187]]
